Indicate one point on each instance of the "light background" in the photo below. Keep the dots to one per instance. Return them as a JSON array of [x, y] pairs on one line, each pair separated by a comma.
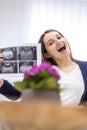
[[23, 21]]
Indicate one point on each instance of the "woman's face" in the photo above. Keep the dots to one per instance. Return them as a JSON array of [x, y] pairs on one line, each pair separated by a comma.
[[57, 46]]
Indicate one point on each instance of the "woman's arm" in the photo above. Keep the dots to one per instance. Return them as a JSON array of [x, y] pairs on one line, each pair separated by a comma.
[[8, 89]]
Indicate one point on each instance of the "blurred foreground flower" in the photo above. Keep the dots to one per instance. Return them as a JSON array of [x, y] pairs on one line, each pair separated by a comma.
[[43, 76]]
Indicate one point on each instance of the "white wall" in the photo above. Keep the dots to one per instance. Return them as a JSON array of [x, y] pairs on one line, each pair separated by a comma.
[[68, 16], [23, 21], [14, 22]]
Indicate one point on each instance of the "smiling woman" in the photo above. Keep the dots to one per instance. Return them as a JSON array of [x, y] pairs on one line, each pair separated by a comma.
[[73, 81]]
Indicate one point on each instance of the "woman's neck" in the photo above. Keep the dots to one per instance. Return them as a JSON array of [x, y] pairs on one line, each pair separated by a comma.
[[66, 65]]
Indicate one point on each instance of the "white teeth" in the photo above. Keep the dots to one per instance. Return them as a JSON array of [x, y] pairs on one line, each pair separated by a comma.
[[60, 47]]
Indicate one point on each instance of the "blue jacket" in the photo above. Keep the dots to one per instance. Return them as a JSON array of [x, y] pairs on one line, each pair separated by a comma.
[[83, 68], [8, 90]]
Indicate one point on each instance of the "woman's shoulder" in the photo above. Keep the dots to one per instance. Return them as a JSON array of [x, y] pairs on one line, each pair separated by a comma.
[[82, 65], [81, 62]]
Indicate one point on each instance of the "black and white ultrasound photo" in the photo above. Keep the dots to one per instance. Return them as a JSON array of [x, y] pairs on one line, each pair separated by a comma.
[[27, 53], [20, 58], [9, 53]]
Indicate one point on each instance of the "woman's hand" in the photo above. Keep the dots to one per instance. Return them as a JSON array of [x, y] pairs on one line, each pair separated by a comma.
[[1, 57], [1, 82]]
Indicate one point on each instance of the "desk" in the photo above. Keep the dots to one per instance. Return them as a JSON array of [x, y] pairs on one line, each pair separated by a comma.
[[37, 115]]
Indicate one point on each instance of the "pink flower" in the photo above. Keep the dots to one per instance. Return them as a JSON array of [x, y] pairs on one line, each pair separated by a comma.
[[34, 70], [42, 76], [52, 71], [44, 66], [57, 77], [26, 74]]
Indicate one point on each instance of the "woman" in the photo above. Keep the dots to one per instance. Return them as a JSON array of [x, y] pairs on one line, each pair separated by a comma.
[[7, 89], [73, 73]]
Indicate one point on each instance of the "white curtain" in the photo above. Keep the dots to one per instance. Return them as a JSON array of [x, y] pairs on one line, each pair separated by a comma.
[[14, 22], [23, 21], [67, 16]]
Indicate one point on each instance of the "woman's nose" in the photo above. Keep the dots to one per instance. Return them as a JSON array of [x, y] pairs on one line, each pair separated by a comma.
[[57, 42]]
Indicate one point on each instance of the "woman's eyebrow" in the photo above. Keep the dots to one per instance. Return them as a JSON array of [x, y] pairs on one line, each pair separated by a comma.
[[58, 34]]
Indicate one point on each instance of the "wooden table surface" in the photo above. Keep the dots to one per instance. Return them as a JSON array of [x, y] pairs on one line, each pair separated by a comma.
[[41, 115]]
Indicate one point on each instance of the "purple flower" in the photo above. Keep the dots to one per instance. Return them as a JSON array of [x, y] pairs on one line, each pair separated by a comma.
[[52, 71], [34, 70], [44, 66], [39, 77], [57, 77], [26, 74]]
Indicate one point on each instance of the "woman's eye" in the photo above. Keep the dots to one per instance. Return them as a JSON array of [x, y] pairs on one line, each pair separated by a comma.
[[50, 43], [59, 37]]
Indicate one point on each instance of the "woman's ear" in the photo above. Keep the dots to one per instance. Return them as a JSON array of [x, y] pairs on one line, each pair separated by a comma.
[[46, 55]]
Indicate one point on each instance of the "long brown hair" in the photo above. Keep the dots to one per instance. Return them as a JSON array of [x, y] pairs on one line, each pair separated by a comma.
[[43, 49]]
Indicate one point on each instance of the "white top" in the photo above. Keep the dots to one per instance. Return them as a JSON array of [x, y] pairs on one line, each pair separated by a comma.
[[72, 85], [3, 98]]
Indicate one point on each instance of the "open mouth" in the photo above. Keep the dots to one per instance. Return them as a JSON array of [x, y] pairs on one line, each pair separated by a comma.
[[62, 48]]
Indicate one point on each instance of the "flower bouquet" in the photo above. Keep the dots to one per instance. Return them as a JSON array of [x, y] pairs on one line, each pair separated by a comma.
[[43, 76]]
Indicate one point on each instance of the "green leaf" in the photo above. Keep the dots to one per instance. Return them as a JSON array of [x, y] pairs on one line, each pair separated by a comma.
[[21, 85], [51, 83], [38, 85]]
